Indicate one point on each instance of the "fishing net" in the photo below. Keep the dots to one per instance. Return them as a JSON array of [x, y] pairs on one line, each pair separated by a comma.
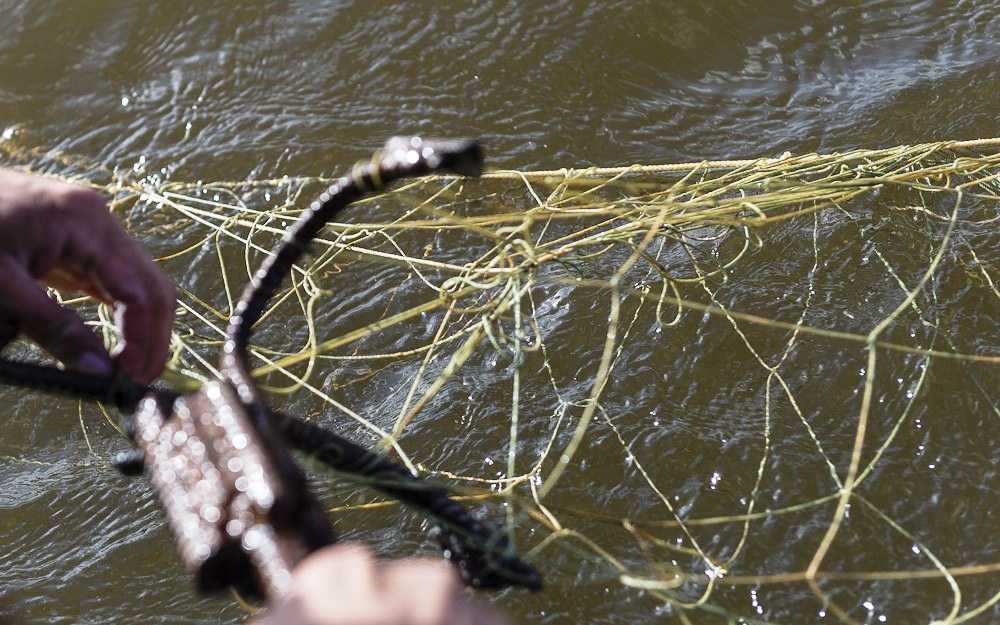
[[746, 391]]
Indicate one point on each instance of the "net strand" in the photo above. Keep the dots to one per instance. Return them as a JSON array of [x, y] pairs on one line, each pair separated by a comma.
[[660, 246]]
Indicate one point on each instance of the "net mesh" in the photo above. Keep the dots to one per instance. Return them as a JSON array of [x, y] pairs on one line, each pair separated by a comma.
[[745, 389]]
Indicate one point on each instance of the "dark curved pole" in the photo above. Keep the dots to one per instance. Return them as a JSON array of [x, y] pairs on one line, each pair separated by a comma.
[[481, 551]]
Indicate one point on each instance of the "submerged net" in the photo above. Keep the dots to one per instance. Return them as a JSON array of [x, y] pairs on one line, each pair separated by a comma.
[[748, 391]]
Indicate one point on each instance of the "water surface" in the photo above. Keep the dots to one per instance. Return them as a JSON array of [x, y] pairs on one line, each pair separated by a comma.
[[230, 91]]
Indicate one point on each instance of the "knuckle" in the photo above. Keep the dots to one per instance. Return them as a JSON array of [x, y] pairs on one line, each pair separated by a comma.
[[78, 198]]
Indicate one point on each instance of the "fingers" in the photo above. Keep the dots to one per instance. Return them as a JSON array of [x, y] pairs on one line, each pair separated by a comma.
[[428, 592], [422, 589], [57, 330], [344, 585], [99, 258], [144, 304], [337, 586]]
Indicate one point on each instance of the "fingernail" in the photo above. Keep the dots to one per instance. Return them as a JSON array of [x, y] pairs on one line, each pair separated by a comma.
[[96, 364]]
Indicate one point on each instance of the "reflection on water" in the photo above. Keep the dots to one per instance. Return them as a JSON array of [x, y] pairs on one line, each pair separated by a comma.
[[230, 91]]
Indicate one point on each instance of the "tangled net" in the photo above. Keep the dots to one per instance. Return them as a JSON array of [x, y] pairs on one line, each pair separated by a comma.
[[743, 391]]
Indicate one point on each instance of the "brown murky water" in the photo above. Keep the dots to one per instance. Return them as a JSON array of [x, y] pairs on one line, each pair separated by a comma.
[[234, 91]]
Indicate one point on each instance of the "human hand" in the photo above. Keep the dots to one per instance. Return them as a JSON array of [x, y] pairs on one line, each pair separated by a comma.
[[344, 585], [63, 236]]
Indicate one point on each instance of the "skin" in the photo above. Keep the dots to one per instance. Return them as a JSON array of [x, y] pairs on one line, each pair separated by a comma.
[[345, 585], [59, 235]]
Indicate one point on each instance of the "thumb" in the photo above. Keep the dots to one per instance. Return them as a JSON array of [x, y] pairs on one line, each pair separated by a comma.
[[57, 330]]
